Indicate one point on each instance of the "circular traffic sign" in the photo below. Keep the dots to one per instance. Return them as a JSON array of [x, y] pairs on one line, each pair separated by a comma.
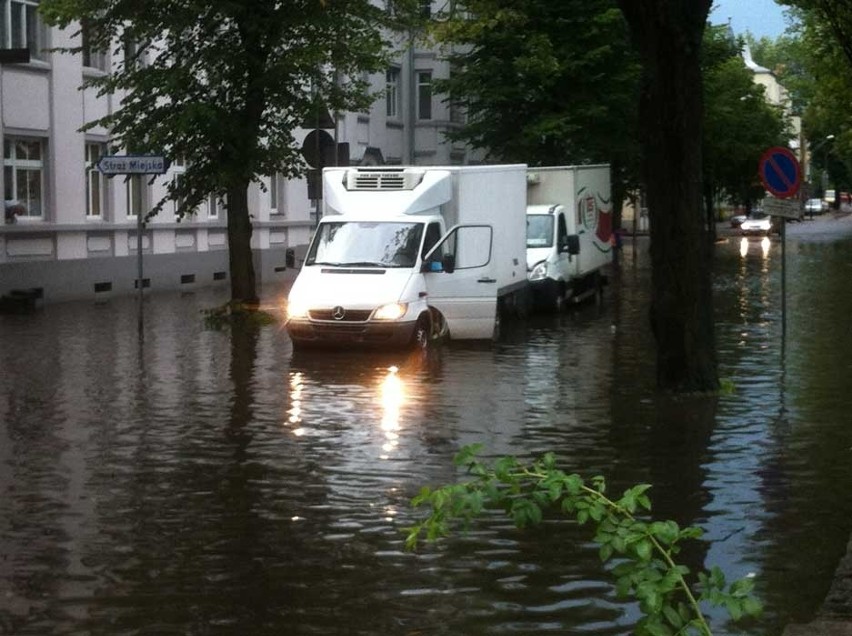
[[780, 172]]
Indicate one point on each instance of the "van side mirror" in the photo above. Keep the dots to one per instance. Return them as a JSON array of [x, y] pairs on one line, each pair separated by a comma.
[[572, 244], [449, 263]]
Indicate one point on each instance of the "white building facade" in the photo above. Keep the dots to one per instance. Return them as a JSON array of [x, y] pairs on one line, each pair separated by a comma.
[[71, 233]]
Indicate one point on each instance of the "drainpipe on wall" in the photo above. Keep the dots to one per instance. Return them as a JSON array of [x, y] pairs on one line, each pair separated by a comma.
[[411, 114]]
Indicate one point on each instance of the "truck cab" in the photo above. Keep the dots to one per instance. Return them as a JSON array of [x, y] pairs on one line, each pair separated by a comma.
[[551, 255], [405, 255]]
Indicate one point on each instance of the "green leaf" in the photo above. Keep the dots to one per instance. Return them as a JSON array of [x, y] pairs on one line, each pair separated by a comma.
[[643, 550], [752, 607], [673, 617], [605, 552], [467, 455], [734, 609]]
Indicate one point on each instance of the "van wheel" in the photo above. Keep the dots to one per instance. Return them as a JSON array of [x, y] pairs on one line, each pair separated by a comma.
[[559, 301], [422, 333]]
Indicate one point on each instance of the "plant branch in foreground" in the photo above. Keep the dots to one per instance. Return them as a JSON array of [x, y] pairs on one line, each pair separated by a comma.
[[641, 552]]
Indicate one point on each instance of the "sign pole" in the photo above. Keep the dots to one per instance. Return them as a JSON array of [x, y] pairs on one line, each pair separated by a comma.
[[130, 165], [783, 284], [781, 175], [139, 280]]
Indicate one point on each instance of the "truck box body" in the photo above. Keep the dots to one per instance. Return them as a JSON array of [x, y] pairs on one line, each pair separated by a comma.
[[400, 249], [569, 231]]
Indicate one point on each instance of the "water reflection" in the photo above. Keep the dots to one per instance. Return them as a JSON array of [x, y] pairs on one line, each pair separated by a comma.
[[393, 397], [217, 483]]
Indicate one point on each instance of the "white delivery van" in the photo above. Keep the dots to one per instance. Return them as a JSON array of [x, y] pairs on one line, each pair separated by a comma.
[[569, 231], [405, 254]]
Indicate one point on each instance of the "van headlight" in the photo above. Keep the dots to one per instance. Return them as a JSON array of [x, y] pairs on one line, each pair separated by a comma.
[[296, 310], [391, 311], [539, 271]]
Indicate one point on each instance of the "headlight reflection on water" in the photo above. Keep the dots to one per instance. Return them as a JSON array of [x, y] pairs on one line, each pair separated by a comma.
[[392, 391], [295, 410], [765, 244]]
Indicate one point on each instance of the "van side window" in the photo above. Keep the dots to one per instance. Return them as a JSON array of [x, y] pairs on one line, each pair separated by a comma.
[[433, 234]]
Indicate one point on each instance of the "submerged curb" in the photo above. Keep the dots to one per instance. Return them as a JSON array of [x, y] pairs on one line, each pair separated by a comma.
[[834, 618]]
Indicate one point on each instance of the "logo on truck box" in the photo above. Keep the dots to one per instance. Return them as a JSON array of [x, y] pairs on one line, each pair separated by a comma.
[[595, 220]]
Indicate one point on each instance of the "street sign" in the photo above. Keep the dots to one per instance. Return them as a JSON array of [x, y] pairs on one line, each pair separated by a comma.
[[780, 172], [788, 208], [133, 164]]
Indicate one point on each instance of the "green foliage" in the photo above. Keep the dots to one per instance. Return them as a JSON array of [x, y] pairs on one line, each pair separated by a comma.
[[543, 82], [225, 84], [640, 552], [727, 386], [231, 313], [739, 124]]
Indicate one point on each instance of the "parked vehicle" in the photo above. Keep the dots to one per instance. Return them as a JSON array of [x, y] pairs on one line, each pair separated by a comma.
[[758, 223], [406, 254], [737, 220], [569, 232], [815, 206]]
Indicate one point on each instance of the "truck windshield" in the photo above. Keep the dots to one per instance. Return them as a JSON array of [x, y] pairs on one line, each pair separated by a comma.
[[366, 244], [539, 230]]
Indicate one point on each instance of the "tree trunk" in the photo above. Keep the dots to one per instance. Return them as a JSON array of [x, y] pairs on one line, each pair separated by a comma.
[[668, 34], [243, 287], [710, 211]]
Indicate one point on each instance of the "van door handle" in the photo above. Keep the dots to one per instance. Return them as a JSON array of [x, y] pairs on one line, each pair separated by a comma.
[[487, 280]]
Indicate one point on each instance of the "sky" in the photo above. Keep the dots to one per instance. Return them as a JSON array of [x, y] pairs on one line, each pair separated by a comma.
[[761, 17]]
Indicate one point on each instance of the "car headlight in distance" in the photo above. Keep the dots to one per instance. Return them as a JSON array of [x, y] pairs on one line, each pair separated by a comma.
[[296, 310], [539, 271], [391, 311]]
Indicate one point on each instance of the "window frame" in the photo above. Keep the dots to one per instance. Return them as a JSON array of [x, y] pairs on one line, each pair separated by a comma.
[[28, 33], [92, 58], [424, 100], [93, 175], [12, 166], [393, 78], [135, 193]]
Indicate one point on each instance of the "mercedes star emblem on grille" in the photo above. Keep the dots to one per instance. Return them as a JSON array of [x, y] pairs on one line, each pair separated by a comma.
[[338, 312]]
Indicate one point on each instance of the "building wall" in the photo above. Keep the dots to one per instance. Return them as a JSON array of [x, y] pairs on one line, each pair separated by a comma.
[[70, 254]]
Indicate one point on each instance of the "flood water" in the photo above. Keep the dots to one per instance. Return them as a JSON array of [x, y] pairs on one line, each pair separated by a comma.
[[204, 482]]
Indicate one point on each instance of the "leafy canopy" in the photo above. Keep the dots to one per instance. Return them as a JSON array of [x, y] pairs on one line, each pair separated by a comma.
[[543, 82], [224, 84]]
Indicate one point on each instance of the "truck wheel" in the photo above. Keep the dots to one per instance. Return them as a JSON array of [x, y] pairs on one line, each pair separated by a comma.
[[422, 333], [559, 302], [598, 283]]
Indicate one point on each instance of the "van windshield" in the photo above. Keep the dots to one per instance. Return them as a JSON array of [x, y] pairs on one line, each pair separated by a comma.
[[539, 230], [366, 244]]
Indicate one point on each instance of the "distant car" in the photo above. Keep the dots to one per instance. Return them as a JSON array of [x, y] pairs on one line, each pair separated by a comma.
[[738, 219], [758, 223], [815, 206]]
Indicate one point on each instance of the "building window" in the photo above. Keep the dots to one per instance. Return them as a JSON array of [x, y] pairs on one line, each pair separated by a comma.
[[424, 94], [274, 185], [92, 57], [135, 195], [392, 92], [215, 206], [96, 183], [133, 54], [178, 168], [23, 173], [21, 27]]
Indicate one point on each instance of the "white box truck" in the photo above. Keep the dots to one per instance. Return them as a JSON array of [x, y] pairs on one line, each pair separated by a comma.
[[405, 254], [569, 232]]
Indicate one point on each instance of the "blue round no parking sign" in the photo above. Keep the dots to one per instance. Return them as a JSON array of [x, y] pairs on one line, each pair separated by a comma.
[[780, 172]]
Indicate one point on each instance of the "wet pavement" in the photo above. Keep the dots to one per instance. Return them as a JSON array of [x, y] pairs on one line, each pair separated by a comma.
[[207, 482]]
